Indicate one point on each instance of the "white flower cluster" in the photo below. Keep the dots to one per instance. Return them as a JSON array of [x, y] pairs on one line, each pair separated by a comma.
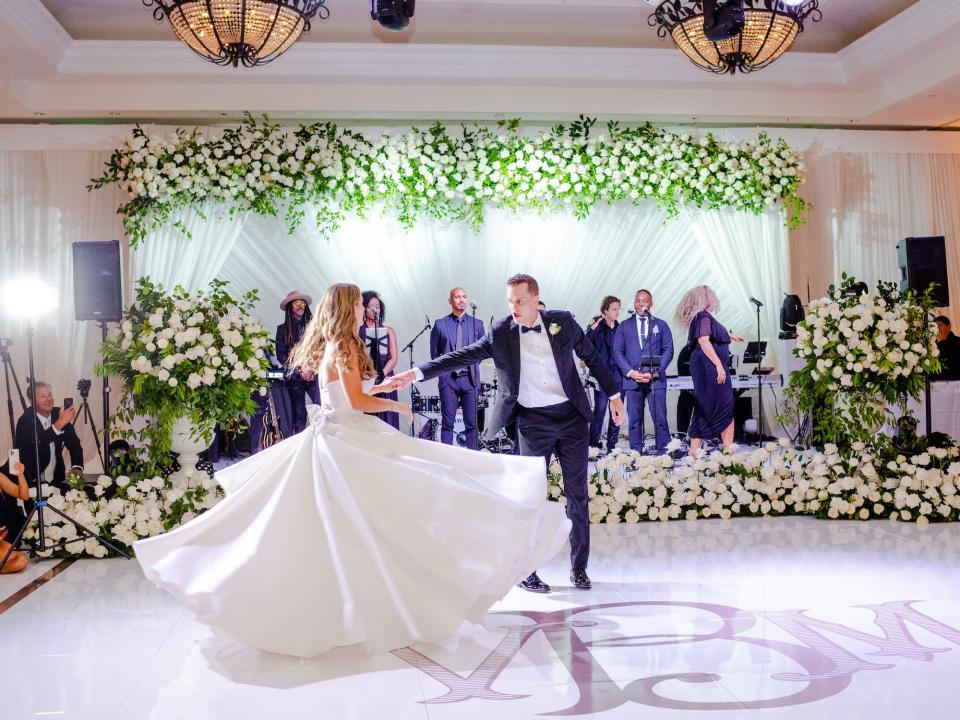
[[124, 511], [264, 167], [777, 479], [847, 339]]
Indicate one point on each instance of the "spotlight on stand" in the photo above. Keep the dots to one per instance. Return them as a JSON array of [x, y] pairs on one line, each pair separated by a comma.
[[791, 314], [722, 19], [392, 14]]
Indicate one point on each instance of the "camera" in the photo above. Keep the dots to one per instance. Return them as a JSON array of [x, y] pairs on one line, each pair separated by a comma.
[[84, 387]]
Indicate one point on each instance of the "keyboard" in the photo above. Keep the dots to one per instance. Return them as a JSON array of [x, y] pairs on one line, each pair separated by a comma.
[[739, 382]]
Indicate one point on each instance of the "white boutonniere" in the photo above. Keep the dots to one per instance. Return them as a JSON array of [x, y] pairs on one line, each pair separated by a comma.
[[554, 329], [656, 330]]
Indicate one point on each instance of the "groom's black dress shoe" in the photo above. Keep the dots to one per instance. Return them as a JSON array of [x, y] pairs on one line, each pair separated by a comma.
[[579, 579], [534, 584]]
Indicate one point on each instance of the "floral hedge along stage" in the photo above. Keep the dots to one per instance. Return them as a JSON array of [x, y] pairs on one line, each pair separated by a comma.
[[775, 480], [864, 352], [199, 355], [124, 510], [439, 174]]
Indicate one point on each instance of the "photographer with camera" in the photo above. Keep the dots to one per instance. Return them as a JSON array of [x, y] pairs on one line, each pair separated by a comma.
[[54, 428]]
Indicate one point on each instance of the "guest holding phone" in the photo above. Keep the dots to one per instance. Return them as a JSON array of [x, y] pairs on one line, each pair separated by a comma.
[[11, 515], [55, 431]]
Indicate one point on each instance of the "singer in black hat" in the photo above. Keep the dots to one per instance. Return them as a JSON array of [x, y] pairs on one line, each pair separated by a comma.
[[459, 388]]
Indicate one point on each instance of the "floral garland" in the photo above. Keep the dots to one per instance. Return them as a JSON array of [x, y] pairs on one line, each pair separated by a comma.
[[200, 355], [864, 352], [433, 173]]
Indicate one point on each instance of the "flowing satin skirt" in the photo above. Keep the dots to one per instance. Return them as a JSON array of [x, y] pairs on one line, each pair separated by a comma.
[[352, 533]]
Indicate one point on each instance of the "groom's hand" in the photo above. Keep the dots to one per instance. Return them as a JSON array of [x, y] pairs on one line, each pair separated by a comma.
[[617, 412], [404, 379]]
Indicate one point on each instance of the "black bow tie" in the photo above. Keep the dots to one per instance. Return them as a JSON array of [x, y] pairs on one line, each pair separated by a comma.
[[535, 328]]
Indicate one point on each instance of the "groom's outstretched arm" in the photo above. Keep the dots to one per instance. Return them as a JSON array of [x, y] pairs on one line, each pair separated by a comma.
[[470, 355]]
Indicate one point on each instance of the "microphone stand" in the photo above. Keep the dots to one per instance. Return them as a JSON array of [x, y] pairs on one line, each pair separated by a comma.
[[759, 378], [409, 348]]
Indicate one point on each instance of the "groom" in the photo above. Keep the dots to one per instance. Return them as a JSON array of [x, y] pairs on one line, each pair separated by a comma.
[[533, 352]]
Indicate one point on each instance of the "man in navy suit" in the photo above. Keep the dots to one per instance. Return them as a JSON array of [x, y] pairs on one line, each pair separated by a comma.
[[540, 388], [644, 336], [458, 388]]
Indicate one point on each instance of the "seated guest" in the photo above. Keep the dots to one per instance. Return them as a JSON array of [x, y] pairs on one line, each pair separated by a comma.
[[709, 344], [296, 315], [11, 516], [54, 428], [601, 334], [642, 337], [949, 346]]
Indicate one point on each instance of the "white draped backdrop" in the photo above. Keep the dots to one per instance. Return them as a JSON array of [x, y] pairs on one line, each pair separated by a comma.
[[863, 203]]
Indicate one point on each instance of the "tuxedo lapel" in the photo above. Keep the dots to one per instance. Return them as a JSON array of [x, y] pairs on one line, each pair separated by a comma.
[[513, 345], [553, 342]]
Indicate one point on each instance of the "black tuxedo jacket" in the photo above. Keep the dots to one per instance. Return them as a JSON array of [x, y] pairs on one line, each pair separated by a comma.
[[502, 343], [443, 339], [66, 439]]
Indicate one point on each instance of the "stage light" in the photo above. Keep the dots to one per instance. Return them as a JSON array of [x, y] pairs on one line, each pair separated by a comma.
[[791, 313], [28, 296], [392, 14]]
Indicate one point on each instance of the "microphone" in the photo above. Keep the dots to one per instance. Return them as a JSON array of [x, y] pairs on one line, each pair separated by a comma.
[[473, 306], [428, 320], [756, 302]]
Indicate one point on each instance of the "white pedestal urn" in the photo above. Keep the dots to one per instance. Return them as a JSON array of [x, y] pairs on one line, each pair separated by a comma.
[[189, 440]]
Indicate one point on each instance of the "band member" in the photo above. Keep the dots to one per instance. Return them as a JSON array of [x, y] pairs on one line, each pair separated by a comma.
[[639, 339], [458, 388], [296, 310], [381, 343], [709, 342], [601, 334]]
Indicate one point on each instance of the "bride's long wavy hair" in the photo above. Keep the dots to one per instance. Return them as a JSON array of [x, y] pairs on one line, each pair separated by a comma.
[[336, 323], [696, 299]]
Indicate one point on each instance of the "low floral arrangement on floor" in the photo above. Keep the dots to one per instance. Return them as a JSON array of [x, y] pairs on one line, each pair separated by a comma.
[[199, 355], [865, 352], [124, 510], [441, 174], [921, 486], [778, 479]]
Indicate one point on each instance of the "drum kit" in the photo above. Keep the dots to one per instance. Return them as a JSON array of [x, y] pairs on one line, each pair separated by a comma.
[[428, 408]]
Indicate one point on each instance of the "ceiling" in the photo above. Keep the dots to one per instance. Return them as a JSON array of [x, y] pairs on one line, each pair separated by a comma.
[[869, 63]]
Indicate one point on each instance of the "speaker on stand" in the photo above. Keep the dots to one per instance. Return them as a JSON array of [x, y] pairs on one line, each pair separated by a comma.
[[923, 262], [98, 296]]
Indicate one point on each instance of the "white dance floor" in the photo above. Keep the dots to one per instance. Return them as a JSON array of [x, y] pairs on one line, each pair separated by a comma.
[[786, 618]]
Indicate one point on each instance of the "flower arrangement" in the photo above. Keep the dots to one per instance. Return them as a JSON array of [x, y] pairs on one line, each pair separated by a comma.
[[864, 352], [434, 173], [777, 479], [198, 355], [123, 510]]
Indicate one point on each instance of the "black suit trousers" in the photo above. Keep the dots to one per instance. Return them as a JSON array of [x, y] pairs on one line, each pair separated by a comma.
[[563, 431]]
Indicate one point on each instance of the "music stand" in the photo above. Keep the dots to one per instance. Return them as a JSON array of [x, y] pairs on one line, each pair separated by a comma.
[[755, 352]]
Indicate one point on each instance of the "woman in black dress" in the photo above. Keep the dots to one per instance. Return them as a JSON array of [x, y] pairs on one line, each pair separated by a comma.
[[709, 344], [381, 343]]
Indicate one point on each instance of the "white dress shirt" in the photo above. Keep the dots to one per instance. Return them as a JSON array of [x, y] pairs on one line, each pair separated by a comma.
[[643, 329], [540, 383], [46, 422]]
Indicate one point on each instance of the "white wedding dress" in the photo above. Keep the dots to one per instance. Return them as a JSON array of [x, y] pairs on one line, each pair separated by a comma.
[[352, 533]]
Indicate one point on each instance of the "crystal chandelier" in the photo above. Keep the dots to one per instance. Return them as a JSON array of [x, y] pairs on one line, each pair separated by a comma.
[[769, 29], [239, 32]]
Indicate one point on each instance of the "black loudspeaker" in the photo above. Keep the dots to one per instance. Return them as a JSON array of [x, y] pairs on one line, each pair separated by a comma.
[[923, 261], [97, 293]]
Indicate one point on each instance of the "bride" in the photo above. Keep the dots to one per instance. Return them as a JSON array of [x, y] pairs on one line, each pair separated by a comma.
[[352, 533]]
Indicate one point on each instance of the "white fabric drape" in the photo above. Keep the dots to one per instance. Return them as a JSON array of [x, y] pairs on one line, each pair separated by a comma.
[[44, 208], [169, 257], [863, 205]]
